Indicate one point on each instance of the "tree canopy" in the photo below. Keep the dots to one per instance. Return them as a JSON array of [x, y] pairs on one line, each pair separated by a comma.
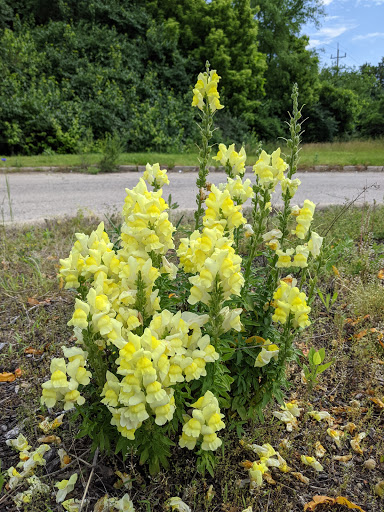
[[76, 70]]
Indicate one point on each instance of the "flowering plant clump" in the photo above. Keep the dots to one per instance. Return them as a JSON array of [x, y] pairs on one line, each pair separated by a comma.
[[168, 337]]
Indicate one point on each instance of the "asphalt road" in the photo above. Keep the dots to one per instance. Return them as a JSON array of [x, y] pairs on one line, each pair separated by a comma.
[[35, 197]]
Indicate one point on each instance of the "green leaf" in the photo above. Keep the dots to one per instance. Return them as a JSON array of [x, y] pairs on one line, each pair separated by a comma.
[[322, 354], [316, 358], [323, 367]]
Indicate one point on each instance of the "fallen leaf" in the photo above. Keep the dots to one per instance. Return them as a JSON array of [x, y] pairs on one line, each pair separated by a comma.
[[380, 275], [258, 340], [361, 334], [301, 477], [33, 351], [49, 439], [342, 458], [32, 301], [340, 500], [378, 402], [268, 478], [335, 271], [318, 500], [7, 377]]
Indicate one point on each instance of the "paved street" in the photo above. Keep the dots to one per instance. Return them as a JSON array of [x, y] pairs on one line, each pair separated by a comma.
[[39, 196]]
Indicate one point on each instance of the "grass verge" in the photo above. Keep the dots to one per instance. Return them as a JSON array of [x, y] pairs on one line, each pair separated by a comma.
[[370, 152]]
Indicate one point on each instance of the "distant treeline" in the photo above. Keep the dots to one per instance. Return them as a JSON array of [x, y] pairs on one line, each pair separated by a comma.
[[73, 71]]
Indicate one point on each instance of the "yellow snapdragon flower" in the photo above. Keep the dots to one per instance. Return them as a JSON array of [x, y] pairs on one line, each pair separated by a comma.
[[228, 156], [154, 176], [269, 169], [206, 91], [304, 219], [290, 185], [256, 473], [268, 351], [311, 461], [289, 299], [314, 244], [221, 211], [238, 189], [205, 422]]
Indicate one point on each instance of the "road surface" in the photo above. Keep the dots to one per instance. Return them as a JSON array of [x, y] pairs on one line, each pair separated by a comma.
[[38, 196]]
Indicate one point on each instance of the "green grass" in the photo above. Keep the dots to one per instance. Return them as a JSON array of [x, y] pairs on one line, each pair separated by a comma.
[[337, 153]]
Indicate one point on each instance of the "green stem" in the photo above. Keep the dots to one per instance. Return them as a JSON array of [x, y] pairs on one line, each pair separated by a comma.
[[204, 154]]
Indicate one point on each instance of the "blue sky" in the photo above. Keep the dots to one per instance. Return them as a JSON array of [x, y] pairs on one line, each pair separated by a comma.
[[358, 27]]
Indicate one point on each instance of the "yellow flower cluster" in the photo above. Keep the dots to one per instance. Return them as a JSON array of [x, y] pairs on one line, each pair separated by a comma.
[[146, 228], [86, 257], [269, 169], [290, 185], [288, 300], [58, 387], [206, 90], [171, 350], [155, 176], [304, 217], [229, 157], [239, 191], [206, 420], [210, 255], [221, 211]]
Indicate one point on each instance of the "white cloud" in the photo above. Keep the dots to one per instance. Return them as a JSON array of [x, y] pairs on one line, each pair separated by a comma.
[[372, 35], [327, 2], [327, 34]]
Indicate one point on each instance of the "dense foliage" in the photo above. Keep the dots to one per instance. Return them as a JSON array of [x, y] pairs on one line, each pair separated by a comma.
[[76, 71]]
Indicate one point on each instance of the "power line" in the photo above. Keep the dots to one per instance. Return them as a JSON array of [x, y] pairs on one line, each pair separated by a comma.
[[338, 57]]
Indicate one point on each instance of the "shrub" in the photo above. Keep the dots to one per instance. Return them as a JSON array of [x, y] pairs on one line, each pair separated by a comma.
[[163, 350]]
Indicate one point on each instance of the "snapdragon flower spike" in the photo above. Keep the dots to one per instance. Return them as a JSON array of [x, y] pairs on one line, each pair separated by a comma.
[[231, 158], [85, 258], [205, 91], [269, 169], [221, 211], [155, 176], [288, 299], [206, 420], [146, 228], [304, 219], [239, 190], [222, 267]]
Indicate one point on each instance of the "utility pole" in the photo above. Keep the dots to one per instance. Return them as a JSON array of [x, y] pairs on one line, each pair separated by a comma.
[[338, 57]]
